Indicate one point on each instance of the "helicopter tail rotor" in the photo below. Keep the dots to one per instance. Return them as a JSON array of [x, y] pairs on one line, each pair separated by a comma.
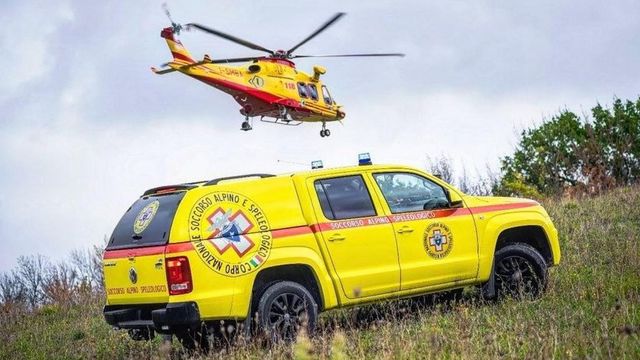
[[175, 27], [180, 54]]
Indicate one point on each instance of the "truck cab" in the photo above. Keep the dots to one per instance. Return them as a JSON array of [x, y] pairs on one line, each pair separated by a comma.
[[274, 251]]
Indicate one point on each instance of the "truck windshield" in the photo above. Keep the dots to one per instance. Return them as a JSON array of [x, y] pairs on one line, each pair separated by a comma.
[[147, 222]]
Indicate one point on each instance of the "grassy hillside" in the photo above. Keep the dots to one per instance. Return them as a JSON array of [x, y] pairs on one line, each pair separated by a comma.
[[591, 309]]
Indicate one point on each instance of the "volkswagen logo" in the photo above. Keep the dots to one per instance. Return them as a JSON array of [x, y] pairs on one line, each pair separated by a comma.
[[133, 275]]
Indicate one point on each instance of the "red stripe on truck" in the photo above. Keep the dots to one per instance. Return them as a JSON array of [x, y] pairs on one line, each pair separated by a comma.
[[298, 230], [179, 247], [143, 251], [333, 225], [489, 208]]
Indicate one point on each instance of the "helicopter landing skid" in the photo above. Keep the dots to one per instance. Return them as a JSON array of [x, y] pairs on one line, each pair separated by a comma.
[[282, 121]]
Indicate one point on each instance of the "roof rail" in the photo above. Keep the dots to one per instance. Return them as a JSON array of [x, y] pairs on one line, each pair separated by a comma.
[[216, 181], [169, 188]]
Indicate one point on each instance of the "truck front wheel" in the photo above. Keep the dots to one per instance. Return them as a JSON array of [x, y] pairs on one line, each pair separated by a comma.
[[520, 271], [284, 308]]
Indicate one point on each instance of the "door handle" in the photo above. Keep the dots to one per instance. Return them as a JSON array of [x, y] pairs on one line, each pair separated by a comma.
[[336, 237], [405, 229]]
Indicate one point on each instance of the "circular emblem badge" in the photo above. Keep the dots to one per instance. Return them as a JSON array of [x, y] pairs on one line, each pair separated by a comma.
[[230, 233], [145, 216], [438, 240]]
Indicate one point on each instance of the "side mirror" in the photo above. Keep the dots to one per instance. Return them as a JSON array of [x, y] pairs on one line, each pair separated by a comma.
[[436, 204], [455, 201]]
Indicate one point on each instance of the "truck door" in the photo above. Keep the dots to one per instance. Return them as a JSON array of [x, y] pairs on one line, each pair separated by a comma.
[[134, 260], [361, 244], [436, 244]]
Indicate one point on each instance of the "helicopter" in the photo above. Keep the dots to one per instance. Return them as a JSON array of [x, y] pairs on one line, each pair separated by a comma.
[[269, 86]]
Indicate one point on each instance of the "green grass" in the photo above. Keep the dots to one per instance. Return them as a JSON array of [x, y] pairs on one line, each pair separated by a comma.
[[591, 310]]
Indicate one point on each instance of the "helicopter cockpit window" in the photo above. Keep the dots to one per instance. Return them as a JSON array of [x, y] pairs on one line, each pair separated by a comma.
[[313, 91], [327, 97], [302, 90]]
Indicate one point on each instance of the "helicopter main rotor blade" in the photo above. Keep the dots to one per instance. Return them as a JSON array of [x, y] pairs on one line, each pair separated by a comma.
[[350, 55], [236, 40], [322, 28]]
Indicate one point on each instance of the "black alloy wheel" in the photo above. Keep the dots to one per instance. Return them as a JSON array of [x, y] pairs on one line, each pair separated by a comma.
[[286, 314], [520, 271], [284, 308]]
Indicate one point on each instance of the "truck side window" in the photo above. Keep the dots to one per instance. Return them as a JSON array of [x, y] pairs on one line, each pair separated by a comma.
[[344, 198], [405, 192], [313, 91], [302, 90]]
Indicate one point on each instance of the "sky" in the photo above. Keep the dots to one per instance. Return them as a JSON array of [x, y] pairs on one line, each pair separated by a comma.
[[85, 127]]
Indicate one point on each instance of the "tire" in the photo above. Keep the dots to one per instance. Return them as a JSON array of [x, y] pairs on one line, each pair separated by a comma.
[[520, 272], [284, 308]]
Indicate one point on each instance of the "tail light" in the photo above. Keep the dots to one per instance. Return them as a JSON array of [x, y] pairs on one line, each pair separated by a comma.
[[179, 275]]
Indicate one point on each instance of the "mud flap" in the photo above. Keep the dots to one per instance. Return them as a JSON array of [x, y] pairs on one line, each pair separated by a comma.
[[489, 288]]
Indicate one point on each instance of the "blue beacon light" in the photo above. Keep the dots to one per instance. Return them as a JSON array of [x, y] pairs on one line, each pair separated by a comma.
[[364, 159]]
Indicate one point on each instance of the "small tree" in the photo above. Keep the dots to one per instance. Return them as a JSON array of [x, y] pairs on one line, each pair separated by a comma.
[[88, 265], [61, 285], [616, 132], [12, 291], [31, 273]]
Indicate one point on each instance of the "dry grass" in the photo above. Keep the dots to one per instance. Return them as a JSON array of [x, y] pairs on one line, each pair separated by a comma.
[[591, 310]]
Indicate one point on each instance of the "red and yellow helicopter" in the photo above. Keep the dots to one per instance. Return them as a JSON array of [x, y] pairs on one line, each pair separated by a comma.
[[269, 86]]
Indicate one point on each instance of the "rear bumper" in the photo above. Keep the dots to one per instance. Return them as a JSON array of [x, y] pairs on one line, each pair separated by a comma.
[[160, 317]]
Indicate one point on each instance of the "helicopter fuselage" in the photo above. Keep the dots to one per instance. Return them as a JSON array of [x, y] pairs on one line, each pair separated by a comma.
[[270, 88], [265, 87]]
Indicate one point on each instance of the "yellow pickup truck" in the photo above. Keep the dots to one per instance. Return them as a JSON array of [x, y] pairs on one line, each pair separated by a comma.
[[274, 251]]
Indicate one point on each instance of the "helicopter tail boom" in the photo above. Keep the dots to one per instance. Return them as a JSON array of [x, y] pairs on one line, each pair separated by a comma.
[[179, 52]]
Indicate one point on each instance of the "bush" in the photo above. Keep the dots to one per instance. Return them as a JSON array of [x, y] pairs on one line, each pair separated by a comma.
[[576, 156]]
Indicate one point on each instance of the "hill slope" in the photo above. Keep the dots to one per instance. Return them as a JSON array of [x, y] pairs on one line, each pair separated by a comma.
[[591, 309]]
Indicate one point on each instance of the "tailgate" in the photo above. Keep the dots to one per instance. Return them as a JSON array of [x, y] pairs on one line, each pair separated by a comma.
[[134, 261]]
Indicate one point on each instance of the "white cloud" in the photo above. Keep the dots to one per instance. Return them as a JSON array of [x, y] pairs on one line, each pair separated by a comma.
[[25, 42]]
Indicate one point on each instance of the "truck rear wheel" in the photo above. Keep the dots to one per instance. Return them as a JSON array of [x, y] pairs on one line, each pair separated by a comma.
[[520, 271], [284, 308]]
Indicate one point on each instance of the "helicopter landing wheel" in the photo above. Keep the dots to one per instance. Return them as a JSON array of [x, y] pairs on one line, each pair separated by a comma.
[[324, 132], [246, 126]]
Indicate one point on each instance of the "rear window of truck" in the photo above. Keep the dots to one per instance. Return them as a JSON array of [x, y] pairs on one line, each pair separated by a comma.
[[147, 222]]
